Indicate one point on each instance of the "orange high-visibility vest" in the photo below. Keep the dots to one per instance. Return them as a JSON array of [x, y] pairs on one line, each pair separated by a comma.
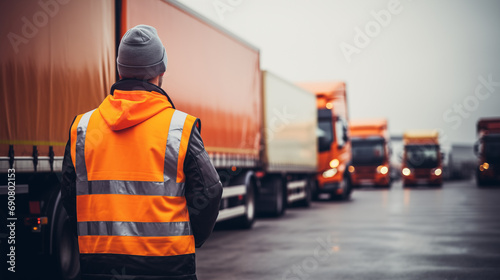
[[130, 185]]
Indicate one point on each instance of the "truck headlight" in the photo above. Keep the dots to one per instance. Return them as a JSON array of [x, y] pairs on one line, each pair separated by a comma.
[[330, 173], [382, 169], [334, 163], [438, 171], [406, 171]]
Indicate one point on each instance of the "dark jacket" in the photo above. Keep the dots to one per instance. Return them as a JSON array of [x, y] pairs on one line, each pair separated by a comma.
[[203, 192]]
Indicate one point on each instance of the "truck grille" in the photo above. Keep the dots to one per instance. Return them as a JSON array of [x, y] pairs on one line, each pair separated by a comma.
[[365, 172], [422, 173]]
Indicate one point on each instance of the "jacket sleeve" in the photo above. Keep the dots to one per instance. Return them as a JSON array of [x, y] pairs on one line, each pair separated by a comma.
[[203, 189], [68, 185]]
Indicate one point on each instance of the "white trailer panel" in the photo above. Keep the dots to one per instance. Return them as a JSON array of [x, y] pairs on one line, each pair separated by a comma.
[[290, 121]]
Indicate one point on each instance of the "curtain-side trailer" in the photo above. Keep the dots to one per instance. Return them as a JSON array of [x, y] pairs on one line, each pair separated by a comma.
[[57, 59]]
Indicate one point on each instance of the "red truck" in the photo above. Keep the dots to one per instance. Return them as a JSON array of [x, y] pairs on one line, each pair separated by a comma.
[[334, 145], [422, 158], [59, 61], [370, 153], [487, 149]]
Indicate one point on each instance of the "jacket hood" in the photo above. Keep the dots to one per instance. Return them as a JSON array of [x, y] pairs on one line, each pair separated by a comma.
[[126, 108]]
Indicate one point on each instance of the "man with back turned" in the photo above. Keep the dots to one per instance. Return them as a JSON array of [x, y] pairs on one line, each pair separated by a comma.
[[134, 173]]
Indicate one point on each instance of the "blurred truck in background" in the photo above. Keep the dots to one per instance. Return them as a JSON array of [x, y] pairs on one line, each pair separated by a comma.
[[334, 145], [422, 159], [370, 153], [487, 149], [258, 129], [462, 163]]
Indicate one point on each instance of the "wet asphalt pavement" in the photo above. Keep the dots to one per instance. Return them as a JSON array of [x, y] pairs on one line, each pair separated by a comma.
[[419, 233]]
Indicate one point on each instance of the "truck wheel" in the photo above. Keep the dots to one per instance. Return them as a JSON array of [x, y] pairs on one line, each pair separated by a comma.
[[348, 188], [279, 198], [246, 221], [65, 248], [480, 182], [315, 191], [272, 199]]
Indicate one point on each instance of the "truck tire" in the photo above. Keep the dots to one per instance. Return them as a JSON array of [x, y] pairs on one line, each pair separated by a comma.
[[480, 182], [346, 194], [280, 197], [246, 221], [273, 196], [315, 191], [65, 246]]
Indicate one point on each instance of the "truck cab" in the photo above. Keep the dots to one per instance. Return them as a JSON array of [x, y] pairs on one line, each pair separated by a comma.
[[370, 153], [422, 159], [487, 150], [334, 146]]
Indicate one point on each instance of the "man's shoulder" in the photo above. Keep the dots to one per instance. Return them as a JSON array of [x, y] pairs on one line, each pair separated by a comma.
[[184, 113], [188, 120]]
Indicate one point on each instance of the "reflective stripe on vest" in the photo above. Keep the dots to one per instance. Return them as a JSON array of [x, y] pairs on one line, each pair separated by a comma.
[[134, 217]]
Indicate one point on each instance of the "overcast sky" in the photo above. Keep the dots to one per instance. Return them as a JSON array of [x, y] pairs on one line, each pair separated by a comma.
[[421, 68]]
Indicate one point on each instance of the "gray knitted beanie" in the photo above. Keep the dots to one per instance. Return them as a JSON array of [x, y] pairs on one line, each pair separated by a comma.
[[141, 54]]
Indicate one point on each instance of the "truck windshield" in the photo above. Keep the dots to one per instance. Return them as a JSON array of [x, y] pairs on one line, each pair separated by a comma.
[[325, 134], [367, 151], [491, 148], [422, 156], [325, 130]]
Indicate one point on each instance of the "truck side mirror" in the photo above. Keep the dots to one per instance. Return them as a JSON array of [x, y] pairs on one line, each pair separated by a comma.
[[346, 133]]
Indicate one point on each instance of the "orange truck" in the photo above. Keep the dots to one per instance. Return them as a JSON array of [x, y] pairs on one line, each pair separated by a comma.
[[334, 145], [59, 61], [370, 153], [422, 159], [487, 149]]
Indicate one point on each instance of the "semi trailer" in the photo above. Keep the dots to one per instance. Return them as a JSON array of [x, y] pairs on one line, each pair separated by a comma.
[[289, 145], [370, 153], [258, 129]]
